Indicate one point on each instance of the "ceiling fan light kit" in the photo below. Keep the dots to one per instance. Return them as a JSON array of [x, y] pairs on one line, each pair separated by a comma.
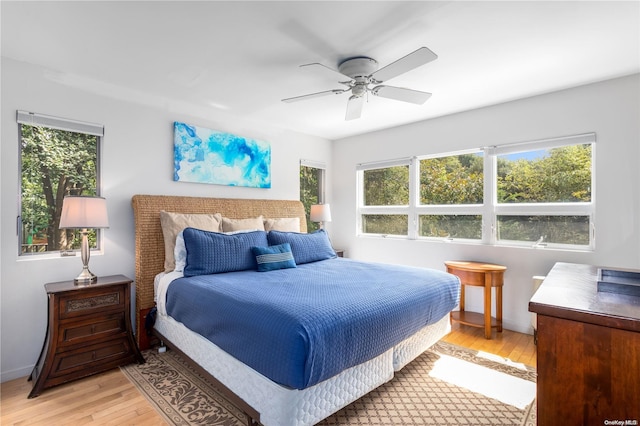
[[362, 72]]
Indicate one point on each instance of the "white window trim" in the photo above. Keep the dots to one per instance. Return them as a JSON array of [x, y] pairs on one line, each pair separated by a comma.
[[540, 209], [390, 210], [69, 125], [490, 209], [34, 119]]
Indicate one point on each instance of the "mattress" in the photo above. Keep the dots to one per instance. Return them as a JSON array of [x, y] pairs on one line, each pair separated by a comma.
[[317, 319]]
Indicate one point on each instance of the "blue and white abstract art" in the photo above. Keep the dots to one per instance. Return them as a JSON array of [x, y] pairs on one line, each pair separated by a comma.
[[208, 156]]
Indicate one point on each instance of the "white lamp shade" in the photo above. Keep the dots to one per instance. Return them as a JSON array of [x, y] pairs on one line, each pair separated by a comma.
[[84, 212], [320, 213]]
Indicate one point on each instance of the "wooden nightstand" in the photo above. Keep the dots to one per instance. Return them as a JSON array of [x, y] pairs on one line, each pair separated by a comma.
[[88, 332]]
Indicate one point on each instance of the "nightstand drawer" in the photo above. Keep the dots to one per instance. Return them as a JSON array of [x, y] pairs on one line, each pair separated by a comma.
[[70, 333], [92, 302], [93, 355]]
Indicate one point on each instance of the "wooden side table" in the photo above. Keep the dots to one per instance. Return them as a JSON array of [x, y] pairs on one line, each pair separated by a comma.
[[88, 332], [485, 275]]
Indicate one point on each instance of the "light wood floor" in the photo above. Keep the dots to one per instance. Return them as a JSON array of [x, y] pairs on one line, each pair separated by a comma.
[[110, 399], [517, 347]]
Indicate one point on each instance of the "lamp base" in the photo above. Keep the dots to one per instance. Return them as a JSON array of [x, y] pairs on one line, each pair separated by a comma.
[[85, 277]]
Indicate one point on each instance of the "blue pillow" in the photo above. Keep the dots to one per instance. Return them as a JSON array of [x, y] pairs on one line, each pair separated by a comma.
[[274, 257], [212, 252], [306, 248]]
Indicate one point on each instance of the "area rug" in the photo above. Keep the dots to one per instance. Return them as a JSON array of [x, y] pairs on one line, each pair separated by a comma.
[[445, 385]]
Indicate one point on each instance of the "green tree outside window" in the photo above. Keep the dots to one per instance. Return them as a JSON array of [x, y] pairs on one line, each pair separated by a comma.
[[54, 163]]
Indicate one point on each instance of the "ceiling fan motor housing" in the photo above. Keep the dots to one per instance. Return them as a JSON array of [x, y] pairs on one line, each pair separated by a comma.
[[360, 66]]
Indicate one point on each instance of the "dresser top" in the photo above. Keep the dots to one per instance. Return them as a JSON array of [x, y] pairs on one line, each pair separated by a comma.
[[72, 286], [570, 291]]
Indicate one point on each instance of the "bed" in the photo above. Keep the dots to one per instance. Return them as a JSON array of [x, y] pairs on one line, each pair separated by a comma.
[[320, 356]]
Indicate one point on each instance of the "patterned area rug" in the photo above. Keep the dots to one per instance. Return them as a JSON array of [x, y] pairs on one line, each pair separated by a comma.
[[419, 394]]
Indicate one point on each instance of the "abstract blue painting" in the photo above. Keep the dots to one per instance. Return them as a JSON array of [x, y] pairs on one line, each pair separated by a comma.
[[208, 156]]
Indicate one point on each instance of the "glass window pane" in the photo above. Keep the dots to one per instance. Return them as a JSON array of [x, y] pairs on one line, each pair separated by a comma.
[[386, 187], [457, 179], [556, 175], [451, 226], [553, 229], [311, 184], [386, 224], [54, 163]]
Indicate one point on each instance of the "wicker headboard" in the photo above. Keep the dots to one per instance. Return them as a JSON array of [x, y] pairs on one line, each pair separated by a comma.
[[150, 243]]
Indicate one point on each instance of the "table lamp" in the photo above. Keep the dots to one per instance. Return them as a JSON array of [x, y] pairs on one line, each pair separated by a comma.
[[320, 213], [84, 213]]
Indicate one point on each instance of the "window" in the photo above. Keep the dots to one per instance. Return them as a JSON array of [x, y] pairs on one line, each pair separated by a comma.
[[451, 196], [536, 194], [544, 192], [385, 198], [58, 157], [312, 184]]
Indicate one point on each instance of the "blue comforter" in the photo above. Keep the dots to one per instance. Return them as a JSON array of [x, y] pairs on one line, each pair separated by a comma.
[[303, 325]]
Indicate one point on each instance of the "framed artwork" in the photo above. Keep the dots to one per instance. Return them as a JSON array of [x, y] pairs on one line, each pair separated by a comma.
[[207, 156]]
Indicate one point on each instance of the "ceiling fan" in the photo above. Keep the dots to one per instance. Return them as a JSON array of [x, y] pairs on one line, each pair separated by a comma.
[[362, 73]]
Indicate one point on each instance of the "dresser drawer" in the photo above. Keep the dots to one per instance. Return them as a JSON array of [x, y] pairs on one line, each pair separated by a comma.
[[92, 328], [73, 361], [92, 302]]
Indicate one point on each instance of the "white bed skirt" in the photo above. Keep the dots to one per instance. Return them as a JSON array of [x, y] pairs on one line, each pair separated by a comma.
[[281, 406]]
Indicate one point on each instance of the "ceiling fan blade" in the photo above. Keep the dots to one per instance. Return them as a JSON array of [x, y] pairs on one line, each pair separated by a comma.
[[404, 64], [335, 74], [315, 95], [354, 107], [401, 94]]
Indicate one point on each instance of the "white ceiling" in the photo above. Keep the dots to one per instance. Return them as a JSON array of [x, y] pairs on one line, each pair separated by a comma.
[[242, 58]]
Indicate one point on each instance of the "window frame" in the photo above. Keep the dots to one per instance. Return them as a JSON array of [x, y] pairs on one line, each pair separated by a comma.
[[447, 209], [542, 209], [322, 184], [490, 209], [67, 125], [384, 210]]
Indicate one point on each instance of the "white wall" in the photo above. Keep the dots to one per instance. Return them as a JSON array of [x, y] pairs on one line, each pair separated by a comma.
[[137, 158], [611, 109]]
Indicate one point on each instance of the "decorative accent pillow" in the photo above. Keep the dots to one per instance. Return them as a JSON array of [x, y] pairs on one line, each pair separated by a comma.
[[306, 248], [284, 224], [214, 253], [173, 223], [254, 223], [274, 257]]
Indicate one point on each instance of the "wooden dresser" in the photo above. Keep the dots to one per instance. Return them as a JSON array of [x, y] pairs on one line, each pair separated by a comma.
[[88, 332], [588, 350]]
